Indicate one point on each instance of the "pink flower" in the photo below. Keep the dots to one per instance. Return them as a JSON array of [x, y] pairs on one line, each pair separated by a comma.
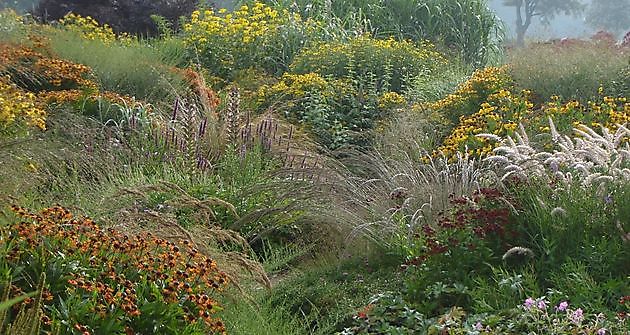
[[479, 326], [601, 331], [542, 304], [529, 303], [562, 306], [577, 316]]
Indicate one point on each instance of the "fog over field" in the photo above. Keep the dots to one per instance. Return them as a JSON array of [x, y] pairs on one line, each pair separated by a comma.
[[562, 25]]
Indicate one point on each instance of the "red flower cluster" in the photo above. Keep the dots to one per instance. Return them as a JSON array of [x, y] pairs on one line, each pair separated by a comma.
[[483, 216]]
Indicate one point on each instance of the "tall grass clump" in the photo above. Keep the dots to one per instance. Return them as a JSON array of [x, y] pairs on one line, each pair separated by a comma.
[[137, 69], [574, 70]]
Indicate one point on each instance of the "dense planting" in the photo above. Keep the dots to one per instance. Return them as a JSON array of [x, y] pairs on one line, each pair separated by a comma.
[[309, 167]]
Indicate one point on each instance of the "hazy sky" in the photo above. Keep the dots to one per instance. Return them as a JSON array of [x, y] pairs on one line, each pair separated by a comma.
[[561, 26]]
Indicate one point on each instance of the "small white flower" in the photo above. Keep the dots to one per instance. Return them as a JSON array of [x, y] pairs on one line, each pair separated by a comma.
[[558, 212]]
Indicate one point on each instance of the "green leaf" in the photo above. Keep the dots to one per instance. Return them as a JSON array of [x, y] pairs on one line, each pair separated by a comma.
[[7, 304]]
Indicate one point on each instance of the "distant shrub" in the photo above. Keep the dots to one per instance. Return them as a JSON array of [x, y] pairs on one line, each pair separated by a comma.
[[131, 16]]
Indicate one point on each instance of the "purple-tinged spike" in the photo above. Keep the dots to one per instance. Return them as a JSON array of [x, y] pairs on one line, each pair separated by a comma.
[[202, 127], [243, 152], [175, 109]]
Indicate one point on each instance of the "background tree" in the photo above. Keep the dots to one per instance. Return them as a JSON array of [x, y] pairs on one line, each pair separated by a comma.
[[18, 5], [131, 16], [610, 15], [546, 10]]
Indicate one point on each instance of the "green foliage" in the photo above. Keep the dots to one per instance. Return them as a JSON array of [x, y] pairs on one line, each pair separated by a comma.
[[444, 259], [387, 314], [326, 293], [244, 318], [390, 62], [466, 26], [435, 85], [504, 289], [336, 111], [573, 281], [594, 241]]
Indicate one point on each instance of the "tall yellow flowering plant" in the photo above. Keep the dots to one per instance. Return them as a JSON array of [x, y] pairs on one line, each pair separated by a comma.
[[256, 36]]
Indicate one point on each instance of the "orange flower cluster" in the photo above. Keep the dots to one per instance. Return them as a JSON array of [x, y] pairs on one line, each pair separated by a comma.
[[44, 70], [75, 95], [197, 84], [60, 73], [119, 263]]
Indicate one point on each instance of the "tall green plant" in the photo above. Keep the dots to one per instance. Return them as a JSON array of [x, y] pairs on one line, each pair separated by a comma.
[[467, 27]]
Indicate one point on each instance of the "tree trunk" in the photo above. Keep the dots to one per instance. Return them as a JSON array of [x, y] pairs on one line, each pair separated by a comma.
[[522, 25], [520, 36]]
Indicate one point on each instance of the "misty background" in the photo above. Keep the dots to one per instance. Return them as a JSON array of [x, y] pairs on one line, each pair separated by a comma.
[[562, 26]]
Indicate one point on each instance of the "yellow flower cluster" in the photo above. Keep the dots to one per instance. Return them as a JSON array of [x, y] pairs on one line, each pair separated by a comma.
[[17, 104], [391, 50], [295, 86], [504, 110], [9, 15], [499, 116], [388, 62], [391, 100], [470, 94], [90, 29], [608, 113], [244, 25]]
